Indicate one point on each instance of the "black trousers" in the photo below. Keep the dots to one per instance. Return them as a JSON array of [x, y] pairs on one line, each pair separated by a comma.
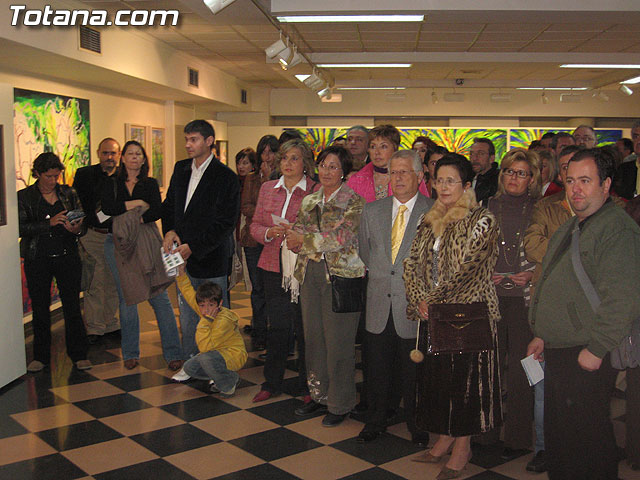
[[282, 315], [389, 365], [514, 335], [632, 416], [578, 432], [67, 270]]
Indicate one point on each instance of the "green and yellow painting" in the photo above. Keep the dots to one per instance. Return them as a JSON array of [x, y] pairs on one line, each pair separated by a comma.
[[45, 122]]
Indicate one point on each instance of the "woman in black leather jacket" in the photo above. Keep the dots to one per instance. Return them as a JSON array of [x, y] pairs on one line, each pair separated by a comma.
[[49, 247]]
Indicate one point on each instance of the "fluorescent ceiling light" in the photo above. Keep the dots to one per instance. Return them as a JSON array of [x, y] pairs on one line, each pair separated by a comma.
[[570, 97], [597, 65], [302, 78], [349, 18], [632, 81], [551, 88], [371, 88], [365, 65]]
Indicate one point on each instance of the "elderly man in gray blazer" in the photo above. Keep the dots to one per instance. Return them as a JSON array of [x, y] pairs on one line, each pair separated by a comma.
[[387, 229]]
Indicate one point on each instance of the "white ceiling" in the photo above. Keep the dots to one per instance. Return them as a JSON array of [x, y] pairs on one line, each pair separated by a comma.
[[512, 44]]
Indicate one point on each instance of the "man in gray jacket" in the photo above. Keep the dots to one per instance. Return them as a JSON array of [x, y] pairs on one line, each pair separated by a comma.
[[576, 340], [387, 229]]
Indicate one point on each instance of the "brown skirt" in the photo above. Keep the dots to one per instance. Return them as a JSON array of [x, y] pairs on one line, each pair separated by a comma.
[[459, 394]]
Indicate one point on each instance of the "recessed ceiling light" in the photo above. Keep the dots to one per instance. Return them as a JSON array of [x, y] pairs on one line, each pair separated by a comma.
[[632, 81], [350, 18], [598, 65], [365, 65], [551, 88], [371, 88], [302, 78]]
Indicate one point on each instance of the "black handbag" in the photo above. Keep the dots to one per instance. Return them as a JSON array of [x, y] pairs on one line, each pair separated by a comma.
[[347, 294], [458, 328]]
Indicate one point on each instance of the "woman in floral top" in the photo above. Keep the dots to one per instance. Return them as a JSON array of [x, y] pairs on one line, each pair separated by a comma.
[[325, 236]]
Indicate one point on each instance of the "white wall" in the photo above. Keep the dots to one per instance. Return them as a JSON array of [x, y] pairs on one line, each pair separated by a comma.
[[12, 350]]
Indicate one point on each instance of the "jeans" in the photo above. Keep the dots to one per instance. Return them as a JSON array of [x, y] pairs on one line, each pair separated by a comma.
[[259, 319], [189, 319], [212, 366], [538, 413], [67, 271], [130, 322]]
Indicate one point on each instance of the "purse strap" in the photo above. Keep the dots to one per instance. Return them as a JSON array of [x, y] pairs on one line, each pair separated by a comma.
[[317, 209], [583, 278]]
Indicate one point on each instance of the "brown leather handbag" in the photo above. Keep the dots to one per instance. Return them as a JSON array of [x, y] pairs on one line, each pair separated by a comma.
[[458, 328]]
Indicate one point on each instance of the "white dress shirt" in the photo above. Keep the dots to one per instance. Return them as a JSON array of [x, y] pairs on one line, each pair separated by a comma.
[[196, 176]]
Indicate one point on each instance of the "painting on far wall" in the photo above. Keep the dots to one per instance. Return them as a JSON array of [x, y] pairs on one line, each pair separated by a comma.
[[137, 133], [222, 151], [157, 153], [3, 194], [46, 122], [522, 137]]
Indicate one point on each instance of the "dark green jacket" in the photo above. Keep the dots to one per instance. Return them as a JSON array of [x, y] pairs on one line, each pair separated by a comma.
[[560, 313]]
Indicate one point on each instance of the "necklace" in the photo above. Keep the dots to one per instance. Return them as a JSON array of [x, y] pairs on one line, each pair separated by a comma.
[[517, 245]]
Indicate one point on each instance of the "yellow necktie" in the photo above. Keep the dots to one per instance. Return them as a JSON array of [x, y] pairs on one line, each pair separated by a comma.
[[397, 232]]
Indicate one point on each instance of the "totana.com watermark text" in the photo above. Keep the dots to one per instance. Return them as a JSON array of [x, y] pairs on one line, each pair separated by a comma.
[[22, 16]]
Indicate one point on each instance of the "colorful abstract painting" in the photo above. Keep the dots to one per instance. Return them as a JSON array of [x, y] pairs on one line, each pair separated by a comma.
[[320, 138], [522, 137], [45, 122], [458, 140], [157, 153]]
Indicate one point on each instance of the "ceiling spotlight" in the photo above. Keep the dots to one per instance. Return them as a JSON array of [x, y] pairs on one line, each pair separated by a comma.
[[544, 99], [626, 90], [301, 77], [216, 5], [325, 92], [600, 95], [434, 97], [289, 57], [275, 49], [314, 82]]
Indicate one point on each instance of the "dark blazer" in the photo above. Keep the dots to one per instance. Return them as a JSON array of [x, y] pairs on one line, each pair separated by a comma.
[[624, 181], [487, 184], [385, 288], [208, 223], [88, 182]]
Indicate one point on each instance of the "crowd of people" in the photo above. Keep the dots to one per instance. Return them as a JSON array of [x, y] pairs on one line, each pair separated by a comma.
[[407, 231]]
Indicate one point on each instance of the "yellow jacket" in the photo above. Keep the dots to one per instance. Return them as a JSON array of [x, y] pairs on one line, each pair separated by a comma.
[[220, 333]]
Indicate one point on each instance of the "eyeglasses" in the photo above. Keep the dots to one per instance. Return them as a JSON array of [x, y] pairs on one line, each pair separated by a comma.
[[332, 168], [449, 182], [520, 173]]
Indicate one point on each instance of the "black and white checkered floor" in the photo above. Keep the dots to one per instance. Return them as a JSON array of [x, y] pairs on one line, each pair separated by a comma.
[[112, 423]]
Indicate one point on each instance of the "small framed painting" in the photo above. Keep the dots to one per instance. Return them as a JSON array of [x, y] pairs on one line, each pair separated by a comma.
[[157, 153], [137, 133], [222, 147]]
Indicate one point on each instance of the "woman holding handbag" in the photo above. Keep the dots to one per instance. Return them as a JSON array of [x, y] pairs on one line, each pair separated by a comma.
[[325, 236], [452, 259]]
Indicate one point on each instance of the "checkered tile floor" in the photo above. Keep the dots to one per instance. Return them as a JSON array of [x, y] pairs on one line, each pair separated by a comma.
[[112, 423]]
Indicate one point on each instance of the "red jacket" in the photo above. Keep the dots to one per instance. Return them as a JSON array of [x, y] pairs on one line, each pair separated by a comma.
[[270, 201], [362, 183]]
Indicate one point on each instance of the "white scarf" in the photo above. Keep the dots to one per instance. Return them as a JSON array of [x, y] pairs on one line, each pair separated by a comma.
[[289, 281]]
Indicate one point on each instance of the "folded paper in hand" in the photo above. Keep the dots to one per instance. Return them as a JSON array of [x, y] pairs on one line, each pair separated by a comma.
[[171, 262], [532, 368]]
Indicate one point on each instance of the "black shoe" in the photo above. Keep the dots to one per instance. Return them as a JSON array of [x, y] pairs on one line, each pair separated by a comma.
[[538, 463], [366, 436], [420, 439], [310, 408], [333, 420], [93, 339], [361, 408], [509, 454]]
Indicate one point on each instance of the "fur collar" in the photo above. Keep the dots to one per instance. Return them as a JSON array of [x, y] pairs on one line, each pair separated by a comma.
[[439, 217]]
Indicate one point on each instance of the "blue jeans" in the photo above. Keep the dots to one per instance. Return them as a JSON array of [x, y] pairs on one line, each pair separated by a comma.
[[538, 412], [212, 366], [259, 319], [130, 323], [189, 319]]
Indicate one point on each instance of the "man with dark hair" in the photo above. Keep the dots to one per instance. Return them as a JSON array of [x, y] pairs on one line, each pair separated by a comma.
[[100, 296], [625, 147], [561, 140], [625, 181], [199, 215], [575, 336], [289, 134], [545, 140], [482, 155], [358, 145]]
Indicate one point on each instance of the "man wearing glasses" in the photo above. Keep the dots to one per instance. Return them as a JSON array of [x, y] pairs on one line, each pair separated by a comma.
[[482, 155]]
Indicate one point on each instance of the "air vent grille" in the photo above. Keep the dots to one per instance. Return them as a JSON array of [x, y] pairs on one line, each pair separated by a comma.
[[243, 96], [194, 80], [90, 39]]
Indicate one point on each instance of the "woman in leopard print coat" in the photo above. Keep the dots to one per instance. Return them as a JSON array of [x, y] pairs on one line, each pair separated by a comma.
[[458, 394]]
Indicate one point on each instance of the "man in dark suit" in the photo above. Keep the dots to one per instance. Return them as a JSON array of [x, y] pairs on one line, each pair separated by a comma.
[[387, 229], [199, 214], [100, 296], [625, 181]]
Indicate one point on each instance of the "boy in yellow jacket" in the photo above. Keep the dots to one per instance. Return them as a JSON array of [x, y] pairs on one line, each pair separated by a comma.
[[222, 350]]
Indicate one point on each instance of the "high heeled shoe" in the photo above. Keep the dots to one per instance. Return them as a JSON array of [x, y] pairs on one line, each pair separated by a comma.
[[448, 473], [426, 457]]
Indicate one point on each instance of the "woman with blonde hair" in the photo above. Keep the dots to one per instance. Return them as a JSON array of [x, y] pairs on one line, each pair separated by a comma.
[[519, 186]]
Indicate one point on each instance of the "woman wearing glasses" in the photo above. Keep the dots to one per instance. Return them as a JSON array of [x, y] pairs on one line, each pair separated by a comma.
[[325, 236], [519, 186], [452, 259]]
